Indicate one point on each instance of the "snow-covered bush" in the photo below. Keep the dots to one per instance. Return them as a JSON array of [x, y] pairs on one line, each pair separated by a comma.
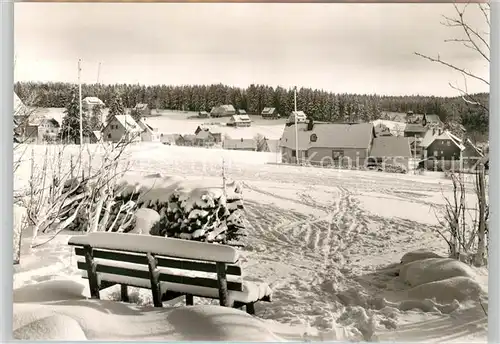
[[187, 210]]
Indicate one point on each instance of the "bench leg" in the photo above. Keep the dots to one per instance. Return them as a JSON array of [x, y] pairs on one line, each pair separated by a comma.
[[124, 293], [250, 308], [189, 300]]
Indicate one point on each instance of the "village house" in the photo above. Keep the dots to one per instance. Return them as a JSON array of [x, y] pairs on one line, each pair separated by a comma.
[[328, 143], [203, 114], [415, 130], [172, 139], [143, 110], [223, 111], [188, 139], [39, 129], [391, 150], [240, 144], [89, 102], [240, 121], [213, 130], [204, 139], [148, 134], [269, 112], [442, 151], [241, 112], [300, 115], [122, 128]]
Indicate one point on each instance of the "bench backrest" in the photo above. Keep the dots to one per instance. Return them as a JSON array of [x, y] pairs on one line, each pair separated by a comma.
[[111, 249]]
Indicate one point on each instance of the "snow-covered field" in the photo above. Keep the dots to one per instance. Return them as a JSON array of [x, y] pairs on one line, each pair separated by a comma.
[[325, 240], [172, 122]]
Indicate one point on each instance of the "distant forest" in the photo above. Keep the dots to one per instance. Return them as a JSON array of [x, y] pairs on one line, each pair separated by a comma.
[[318, 104]]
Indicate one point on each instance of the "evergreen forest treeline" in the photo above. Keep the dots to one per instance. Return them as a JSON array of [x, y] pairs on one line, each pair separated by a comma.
[[318, 104]]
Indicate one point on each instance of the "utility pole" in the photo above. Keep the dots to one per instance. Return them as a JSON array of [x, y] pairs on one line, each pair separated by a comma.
[[296, 129], [80, 99]]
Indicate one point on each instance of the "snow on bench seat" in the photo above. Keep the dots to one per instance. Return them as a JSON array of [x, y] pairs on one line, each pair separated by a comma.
[[169, 247]]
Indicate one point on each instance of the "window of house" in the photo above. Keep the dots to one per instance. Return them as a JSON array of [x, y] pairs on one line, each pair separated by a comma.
[[448, 143], [294, 153], [337, 154], [435, 153], [306, 154], [442, 152], [109, 136], [314, 138]]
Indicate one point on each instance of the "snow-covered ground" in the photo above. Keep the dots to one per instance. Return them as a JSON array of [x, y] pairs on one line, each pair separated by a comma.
[[177, 122], [325, 240]]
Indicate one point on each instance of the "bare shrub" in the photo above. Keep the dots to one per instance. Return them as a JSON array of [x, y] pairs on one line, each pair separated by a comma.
[[466, 242]]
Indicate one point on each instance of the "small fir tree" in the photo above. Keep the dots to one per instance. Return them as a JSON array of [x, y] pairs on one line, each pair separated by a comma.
[[96, 117], [116, 107], [71, 120]]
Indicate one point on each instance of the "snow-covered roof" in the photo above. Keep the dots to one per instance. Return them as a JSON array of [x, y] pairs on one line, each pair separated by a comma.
[[92, 101], [141, 106], [240, 144], [128, 122], [301, 116], [241, 118], [268, 111], [446, 135]]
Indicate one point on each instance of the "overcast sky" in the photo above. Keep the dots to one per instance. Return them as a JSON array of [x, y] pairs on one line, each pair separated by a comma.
[[352, 48]]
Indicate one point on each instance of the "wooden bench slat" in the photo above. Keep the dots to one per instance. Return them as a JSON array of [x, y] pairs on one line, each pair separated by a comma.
[[162, 262], [168, 247], [164, 277]]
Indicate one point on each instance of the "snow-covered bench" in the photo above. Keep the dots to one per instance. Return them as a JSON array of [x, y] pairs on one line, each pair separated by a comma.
[[169, 267]]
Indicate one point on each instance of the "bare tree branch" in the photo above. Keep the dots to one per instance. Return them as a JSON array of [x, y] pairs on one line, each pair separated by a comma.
[[458, 69]]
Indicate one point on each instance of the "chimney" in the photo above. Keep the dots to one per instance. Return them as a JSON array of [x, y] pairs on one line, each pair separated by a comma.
[[310, 124]]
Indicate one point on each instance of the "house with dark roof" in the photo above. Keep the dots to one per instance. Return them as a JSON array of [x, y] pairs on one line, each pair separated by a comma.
[[122, 127], [327, 143], [443, 151], [391, 150], [240, 144], [415, 130], [223, 111], [270, 112], [204, 139], [214, 130], [239, 121]]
